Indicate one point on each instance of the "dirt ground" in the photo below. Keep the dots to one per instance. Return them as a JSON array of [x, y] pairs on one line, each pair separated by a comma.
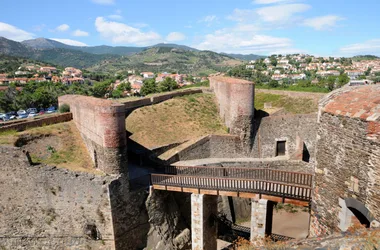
[[295, 225]]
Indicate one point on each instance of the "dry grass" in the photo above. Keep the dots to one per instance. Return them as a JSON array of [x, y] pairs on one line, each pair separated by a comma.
[[175, 120], [294, 105], [67, 150]]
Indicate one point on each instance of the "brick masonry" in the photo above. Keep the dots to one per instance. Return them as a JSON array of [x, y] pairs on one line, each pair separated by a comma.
[[36, 122], [236, 105], [102, 126]]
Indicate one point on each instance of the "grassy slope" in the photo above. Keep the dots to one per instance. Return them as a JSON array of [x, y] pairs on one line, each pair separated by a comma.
[[70, 151], [175, 120], [291, 105]]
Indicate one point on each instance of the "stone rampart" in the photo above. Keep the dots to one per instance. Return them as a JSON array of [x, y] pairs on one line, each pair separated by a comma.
[[210, 146], [348, 160], [298, 131], [135, 104], [50, 208], [102, 126], [37, 122], [236, 105]]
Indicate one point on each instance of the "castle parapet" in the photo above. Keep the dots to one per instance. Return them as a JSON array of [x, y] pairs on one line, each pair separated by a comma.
[[102, 126]]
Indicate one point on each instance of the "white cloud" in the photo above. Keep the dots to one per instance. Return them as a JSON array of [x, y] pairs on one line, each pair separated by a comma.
[[14, 33], [209, 19], [121, 33], [80, 33], [62, 27], [39, 28], [69, 42], [368, 47], [322, 22], [104, 2], [280, 13], [188, 26], [245, 39], [175, 37], [271, 1], [115, 17]]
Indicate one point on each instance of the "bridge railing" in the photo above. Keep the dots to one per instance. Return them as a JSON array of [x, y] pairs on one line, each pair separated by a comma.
[[238, 185], [246, 173]]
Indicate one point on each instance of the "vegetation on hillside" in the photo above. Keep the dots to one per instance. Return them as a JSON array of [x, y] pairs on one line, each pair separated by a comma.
[[166, 59], [175, 120], [364, 57]]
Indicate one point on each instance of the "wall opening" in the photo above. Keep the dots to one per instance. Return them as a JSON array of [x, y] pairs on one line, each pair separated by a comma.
[[360, 217], [305, 154], [95, 159], [280, 148]]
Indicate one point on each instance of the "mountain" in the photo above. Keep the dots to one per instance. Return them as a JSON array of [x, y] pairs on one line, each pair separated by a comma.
[[43, 43], [159, 59], [51, 52], [9, 47], [156, 58], [174, 46], [248, 57]]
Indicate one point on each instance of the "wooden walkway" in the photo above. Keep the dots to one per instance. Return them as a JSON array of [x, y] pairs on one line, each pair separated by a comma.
[[276, 185]]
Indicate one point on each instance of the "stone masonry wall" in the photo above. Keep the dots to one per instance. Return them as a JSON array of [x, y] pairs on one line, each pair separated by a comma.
[[45, 207], [48, 208], [102, 126], [348, 161], [294, 129], [36, 122], [236, 105]]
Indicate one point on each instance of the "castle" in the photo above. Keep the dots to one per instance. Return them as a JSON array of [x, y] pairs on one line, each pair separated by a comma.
[[333, 158]]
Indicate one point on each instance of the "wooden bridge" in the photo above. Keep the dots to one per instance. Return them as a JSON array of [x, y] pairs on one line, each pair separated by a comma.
[[260, 183]]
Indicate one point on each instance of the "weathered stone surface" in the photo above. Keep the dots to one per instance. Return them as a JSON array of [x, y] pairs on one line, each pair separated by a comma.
[[169, 220], [45, 207], [203, 226], [348, 161]]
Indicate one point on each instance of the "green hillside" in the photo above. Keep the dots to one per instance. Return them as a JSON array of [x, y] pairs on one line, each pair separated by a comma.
[[158, 59]]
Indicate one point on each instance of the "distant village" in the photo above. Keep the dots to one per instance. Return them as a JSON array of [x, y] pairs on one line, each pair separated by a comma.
[[303, 66], [277, 67], [71, 75]]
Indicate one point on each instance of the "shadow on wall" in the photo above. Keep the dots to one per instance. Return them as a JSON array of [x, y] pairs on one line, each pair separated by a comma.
[[259, 114]]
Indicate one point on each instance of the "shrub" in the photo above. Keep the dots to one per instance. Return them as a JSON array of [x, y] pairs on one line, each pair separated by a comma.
[[64, 108]]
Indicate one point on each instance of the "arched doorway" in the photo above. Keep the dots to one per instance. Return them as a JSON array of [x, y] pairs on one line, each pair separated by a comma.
[[352, 210], [360, 211]]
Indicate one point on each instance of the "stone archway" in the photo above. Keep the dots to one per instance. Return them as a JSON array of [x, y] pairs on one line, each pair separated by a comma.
[[359, 211], [352, 208]]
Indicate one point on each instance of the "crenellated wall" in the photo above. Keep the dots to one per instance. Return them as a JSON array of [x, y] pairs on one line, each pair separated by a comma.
[[236, 105], [102, 126]]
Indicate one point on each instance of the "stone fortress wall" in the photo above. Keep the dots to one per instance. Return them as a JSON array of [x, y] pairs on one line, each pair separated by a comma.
[[348, 160], [102, 126], [236, 105], [298, 131]]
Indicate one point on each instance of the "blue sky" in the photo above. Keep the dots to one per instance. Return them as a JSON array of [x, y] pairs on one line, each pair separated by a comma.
[[323, 27]]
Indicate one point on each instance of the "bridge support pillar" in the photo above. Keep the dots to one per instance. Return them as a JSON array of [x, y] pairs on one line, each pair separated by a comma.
[[261, 219], [203, 226]]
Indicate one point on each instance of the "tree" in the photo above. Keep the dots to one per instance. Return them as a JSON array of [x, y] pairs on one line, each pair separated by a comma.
[[273, 84], [149, 87], [125, 86], [100, 89], [343, 79], [168, 84], [117, 93], [331, 82], [273, 61]]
